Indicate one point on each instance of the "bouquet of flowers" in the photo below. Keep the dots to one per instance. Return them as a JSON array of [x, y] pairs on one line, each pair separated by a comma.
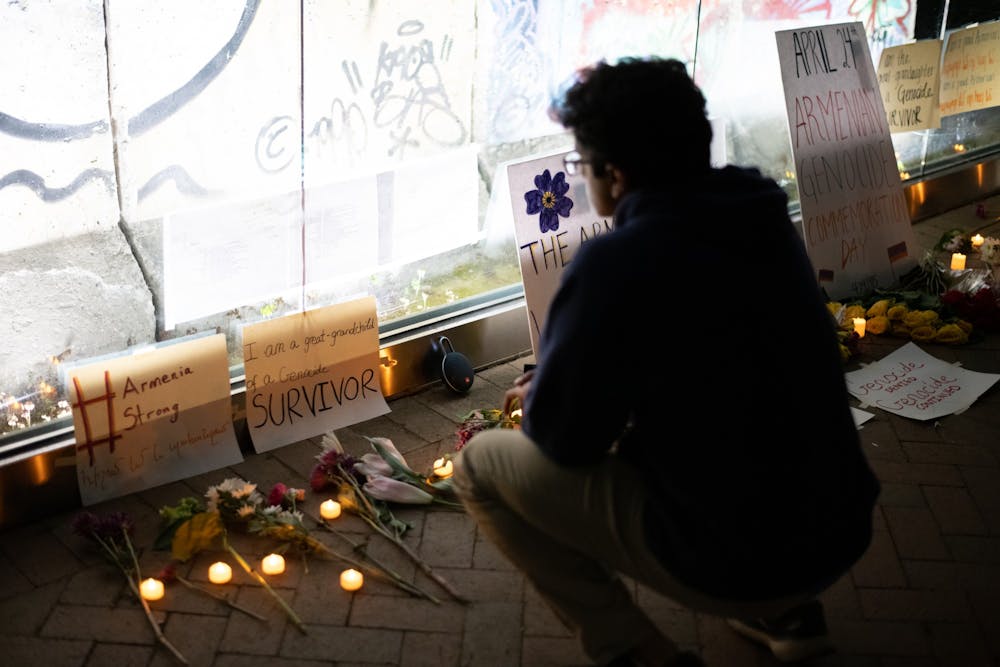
[[480, 420], [113, 534], [190, 527], [367, 485], [954, 240]]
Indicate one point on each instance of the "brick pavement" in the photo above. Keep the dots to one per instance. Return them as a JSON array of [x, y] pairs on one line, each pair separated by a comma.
[[927, 593]]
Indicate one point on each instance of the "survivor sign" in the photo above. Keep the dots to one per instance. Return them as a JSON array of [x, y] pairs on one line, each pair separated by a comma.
[[312, 372], [855, 223]]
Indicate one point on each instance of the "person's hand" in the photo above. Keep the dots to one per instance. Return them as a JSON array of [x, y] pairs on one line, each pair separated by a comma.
[[513, 398]]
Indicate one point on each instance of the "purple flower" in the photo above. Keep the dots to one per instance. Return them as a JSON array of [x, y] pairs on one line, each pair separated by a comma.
[[549, 200], [332, 467]]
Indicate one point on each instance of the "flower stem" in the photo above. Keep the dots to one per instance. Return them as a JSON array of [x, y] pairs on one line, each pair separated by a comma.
[[367, 511], [421, 563], [382, 572], [263, 582], [218, 596], [133, 583]]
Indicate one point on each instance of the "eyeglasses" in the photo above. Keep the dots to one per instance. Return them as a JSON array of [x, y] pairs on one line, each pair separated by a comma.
[[572, 162]]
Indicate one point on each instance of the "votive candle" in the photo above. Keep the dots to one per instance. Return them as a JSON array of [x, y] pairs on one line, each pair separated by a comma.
[[859, 326], [957, 261], [977, 240], [220, 573], [273, 564], [443, 468], [351, 580], [329, 509], [151, 589]]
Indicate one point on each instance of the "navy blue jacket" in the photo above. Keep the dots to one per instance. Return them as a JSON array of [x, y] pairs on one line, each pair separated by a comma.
[[696, 334]]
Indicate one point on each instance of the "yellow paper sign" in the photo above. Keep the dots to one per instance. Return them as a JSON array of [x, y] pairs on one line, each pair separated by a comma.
[[312, 372], [908, 79], [970, 69], [153, 417]]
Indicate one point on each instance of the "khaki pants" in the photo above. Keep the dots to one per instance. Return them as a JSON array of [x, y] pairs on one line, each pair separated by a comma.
[[571, 531]]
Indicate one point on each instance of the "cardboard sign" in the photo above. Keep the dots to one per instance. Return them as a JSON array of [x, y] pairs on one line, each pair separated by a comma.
[[908, 78], [152, 417], [312, 372], [911, 383], [970, 69], [552, 219], [855, 222]]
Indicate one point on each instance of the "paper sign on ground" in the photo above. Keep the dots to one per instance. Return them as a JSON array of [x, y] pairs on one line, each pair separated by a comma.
[[911, 383], [855, 221], [153, 417], [860, 416], [312, 372], [552, 218], [970, 69], [908, 78]]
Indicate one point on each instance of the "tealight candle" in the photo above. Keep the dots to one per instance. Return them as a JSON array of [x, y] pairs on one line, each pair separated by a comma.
[[220, 573], [957, 261], [351, 580], [273, 564], [329, 509], [443, 468], [859, 326], [977, 240], [151, 589]]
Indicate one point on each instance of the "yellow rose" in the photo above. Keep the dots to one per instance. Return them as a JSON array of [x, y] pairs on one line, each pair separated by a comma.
[[900, 329], [924, 332], [951, 334], [879, 308], [897, 312], [918, 318], [964, 326], [834, 307], [878, 324]]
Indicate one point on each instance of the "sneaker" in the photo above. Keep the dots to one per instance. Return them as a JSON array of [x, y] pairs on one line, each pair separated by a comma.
[[796, 635]]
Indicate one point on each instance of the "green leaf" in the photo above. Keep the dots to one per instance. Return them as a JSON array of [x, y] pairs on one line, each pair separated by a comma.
[[196, 534], [173, 517]]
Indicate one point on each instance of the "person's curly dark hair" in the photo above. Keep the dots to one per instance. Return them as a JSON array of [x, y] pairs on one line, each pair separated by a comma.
[[644, 115]]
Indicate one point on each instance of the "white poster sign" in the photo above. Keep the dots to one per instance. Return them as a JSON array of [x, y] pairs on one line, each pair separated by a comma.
[[855, 222], [312, 372], [911, 383], [970, 69], [908, 77], [552, 218], [152, 417]]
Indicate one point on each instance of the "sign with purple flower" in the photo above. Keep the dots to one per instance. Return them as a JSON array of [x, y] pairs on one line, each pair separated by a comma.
[[552, 217]]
